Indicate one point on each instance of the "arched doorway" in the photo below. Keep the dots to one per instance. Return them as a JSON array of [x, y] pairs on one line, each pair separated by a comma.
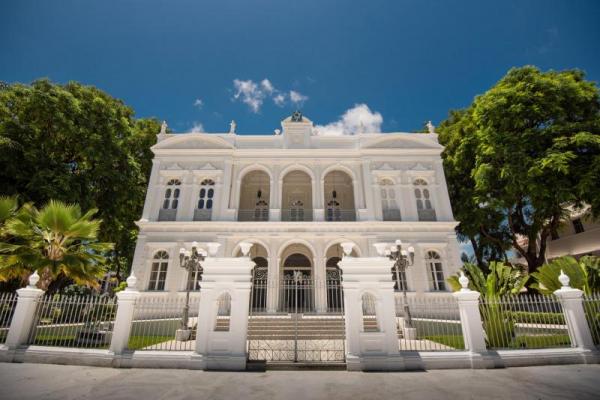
[[297, 284], [296, 197], [339, 197], [255, 192], [333, 278], [258, 296]]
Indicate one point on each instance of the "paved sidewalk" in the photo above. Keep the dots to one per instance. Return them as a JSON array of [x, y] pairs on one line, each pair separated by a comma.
[[40, 381]]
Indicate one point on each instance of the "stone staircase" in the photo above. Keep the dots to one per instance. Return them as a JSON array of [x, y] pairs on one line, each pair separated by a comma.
[[285, 327]]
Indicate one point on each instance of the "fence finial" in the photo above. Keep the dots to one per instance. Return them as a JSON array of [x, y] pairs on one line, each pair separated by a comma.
[[33, 280], [131, 281], [564, 279], [464, 281]]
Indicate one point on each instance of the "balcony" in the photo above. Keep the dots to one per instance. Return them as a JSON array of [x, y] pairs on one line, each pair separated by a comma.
[[202, 215], [296, 215], [391, 215], [427, 215], [167, 214], [253, 215], [340, 215]]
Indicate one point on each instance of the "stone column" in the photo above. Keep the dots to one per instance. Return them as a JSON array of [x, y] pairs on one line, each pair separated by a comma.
[[224, 349], [126, 306], [273, 280], [320, 284], [24, 315], [572, 303]]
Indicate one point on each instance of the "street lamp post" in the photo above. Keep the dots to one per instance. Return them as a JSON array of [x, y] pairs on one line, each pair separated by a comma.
[[402, 259], [190, 261]]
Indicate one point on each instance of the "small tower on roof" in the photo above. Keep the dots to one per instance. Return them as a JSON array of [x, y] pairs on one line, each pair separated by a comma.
[[297, 130]]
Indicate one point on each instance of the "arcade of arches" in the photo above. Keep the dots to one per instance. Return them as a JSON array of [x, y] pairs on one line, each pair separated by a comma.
[[299, 283]]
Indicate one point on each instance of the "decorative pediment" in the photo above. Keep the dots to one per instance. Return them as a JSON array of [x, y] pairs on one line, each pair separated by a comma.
[[420, 167], [208, 167], [386, 167], [174, 167], [193, 141]]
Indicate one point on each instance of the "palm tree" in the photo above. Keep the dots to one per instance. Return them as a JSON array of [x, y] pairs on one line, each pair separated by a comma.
[[57, 241]]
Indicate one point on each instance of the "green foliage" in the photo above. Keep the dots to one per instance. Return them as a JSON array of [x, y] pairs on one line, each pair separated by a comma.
[[502, 279], [584, 274], [57, 240], [519, 156], [77, 144]]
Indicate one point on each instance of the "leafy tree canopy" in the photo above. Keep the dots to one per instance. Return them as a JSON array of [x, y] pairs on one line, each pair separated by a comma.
[[77, 144], [519, 156]]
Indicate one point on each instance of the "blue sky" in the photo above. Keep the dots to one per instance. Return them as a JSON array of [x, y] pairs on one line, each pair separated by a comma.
[[407, 61]]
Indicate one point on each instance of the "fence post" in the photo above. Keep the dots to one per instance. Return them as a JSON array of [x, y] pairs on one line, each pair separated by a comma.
[[571, 300], [471, 323], [216, 348], [125, 309], [24, 314]]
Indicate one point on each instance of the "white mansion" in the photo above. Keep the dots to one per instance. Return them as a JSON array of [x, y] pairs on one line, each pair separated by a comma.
[[296, 196]]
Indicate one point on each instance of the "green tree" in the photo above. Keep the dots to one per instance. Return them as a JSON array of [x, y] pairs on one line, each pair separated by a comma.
[[519, 156], [584, 274], [58, 241], [77, 144]]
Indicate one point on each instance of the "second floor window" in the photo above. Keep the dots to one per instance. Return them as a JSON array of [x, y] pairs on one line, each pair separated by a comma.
[[172, 192], [578, 225], [207, 193], [425, 209]]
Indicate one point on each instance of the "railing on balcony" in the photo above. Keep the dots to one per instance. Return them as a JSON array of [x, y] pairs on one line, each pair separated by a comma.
[[340, 215], [167, 214], [391, 215], [296, 214], [253, 215], [427, 215], [202, 215]]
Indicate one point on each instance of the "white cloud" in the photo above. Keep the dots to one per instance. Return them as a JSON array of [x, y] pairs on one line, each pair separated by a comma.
[[279, 100], [355, 120], [198, 103], [297, 98], [197, 128], [267, 86], [250, 93], [254, 94]]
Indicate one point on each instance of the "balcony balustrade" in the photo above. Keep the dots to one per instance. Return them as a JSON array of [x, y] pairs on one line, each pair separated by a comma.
[[391, 215], [340, 215], [167, 214], [296, 214], [253, 215], [202, 215], [427, 215]]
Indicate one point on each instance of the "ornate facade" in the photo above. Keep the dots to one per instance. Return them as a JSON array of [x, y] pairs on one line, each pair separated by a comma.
[[296, 195]]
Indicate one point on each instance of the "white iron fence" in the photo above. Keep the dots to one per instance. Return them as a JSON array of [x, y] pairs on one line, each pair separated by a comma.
[[8, 302], [157, 320], [429, 324], [73, 321], [524, 322], [591, 306]]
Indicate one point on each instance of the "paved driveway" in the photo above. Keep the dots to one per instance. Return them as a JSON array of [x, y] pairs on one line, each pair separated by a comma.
[[40, 381]]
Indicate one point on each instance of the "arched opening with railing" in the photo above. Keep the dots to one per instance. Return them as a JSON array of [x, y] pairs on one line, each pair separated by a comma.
[[255, 192], [296, 197], [338, 193]]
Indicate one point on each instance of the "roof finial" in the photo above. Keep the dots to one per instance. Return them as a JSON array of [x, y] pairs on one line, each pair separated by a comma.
[[430, 127], [163, 128], [232, 126]]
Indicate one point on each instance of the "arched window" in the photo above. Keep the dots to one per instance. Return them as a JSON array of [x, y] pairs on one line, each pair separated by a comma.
[[435, 270], [206, 196], [335, 295], [423, 199], [194, 278], [389, 205], [158, 273], [399, 277], [260, 274], [168, 211], [369, 312], [223, 312]]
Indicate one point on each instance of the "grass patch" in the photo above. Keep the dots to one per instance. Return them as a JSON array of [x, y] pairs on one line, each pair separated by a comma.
[[540, 341], [139, 342], [454, 341]]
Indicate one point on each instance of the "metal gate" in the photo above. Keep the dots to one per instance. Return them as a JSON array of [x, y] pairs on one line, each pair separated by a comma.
[[297, 320]]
